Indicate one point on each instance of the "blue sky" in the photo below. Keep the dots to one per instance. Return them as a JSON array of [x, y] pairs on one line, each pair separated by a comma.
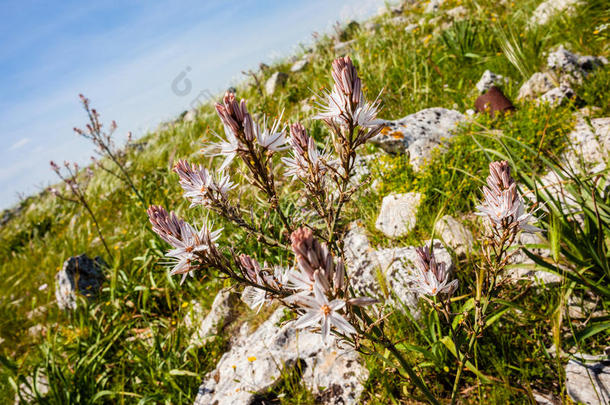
[[124, 55]]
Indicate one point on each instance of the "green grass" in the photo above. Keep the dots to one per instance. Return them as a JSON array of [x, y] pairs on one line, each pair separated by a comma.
[[131, 345]]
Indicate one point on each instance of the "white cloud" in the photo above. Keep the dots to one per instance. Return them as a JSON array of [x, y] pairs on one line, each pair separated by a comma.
[[19, 143]]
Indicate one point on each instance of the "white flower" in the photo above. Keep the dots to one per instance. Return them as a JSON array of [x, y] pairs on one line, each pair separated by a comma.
[[365, 115], [255, 297], [298, 165], [431, 277], [188, 245], [227, 148], [503, 205], [318, 310], [273, 138], [506, 209]]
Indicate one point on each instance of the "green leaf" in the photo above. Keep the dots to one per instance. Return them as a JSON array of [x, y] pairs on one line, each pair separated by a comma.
[[449, 344]]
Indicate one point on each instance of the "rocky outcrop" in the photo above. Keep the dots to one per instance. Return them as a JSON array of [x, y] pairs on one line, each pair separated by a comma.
[[564, 70], [455, 235], [588, 384], [257, 361], [589, 141], [277, 80], [488, 80], [419, 133], [398, 214], [206, 327], [550, 8], [299, 65], [79, 275], [383, 273]]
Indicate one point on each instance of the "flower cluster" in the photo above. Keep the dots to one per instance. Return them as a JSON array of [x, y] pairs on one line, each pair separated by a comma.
[[189, 244], [243, 134], [307, 162], [316, 286], [200, 186], [352, 119], [503, 205], [431, 278]]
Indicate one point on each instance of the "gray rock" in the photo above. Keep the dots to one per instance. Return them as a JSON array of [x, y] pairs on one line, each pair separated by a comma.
[[588, 384], [206, 327], [455, 235], [490, 79], [458, 13], [299, 65], [397, 9], [277, 80], [362, 171], [536, 85], [256, 361], [550, 8], [34, 388], [366, 266], [523, 268], [399, 20], [433, 6], [398, 214], [557, 96], [190, 116], [372, 26], [411, 27], [572, 67], [545, 399], [308, 104], [341, 47], [565, 69], [346, 32], [589, 143], [79, 275], [418, 134]]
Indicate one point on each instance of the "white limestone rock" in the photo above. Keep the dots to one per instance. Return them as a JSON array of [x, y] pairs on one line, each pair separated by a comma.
[[366, 266], [206, 327], [418, 134], [588, 384], [433, 6], [523, 268], [33, 389], [372, 26], [550, 8], [455, 235], [299, 65], [411, 27], [398, 214], [458, 13], [255, 363], [190, 116], [343, 47], [490, 79], [399, 20], [558, 95], [277, 80], [536, 85], [589, 142]]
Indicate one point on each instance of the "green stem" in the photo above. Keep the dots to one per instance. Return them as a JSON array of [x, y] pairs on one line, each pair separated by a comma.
[[414, 377], [457, 379]]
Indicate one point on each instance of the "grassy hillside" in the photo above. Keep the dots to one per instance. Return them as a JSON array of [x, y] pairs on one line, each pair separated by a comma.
[[131, 345]]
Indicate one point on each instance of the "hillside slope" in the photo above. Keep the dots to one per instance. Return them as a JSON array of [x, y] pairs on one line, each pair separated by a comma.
[[137, 341]]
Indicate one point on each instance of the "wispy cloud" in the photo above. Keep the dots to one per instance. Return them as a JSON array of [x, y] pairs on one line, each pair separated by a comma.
[[20, 143]]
